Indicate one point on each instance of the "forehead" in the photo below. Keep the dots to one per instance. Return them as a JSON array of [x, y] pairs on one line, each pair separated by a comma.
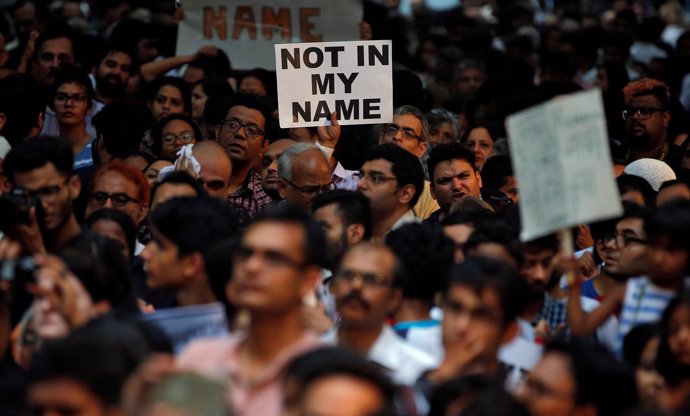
[[635, 225], [328, 213], [370, 259], [177, 125], [71, 86], [278, 147], [57, 45], [113, 181], [479, 134], [284, 237], [452, 167], [409, 121], [540, 255], [119, 57], [648, 100], [247, 115], [468, 296], [378, 165], [170, 91], [45, 173]]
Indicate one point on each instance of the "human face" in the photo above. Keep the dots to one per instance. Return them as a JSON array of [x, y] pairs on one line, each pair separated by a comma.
[[480, 142], [510, 188], [361, 304], [154, 169], [112, 182], [241, 148], [649, 381], [269, 163], [167, 101], [335, 229], [342, 395], [147, 50], [52, 53], [58, 193], [63, 396], [113, 73], [627, 257], [459, 233], [178, 131], [199, 99], [646, 134], [537, 268], [679, 334], [162, 262], [470, 81], [672, 193], [667, 262], [472, 319], [311, 175], [269, 271], [112, 230], [71, 104], [453, 180], [169, 191], [493, 251], [252, 85], [383, 196], [550, 388], [415, 145], [441, 134], [215, 173]]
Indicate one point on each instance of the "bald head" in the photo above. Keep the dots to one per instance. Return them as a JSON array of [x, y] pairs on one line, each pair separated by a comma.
[[216, 167], [304, 172]]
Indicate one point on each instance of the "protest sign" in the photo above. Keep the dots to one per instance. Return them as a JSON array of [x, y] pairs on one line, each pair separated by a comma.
[[563, 165], [247, 30], [354, 79]]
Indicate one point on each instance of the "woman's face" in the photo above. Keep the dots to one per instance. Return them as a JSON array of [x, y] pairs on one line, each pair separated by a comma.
[[71, 104], [175, 134], [480, 142], [679, 334], [154, 169], [198, 102], [649, 382], [167, 101]]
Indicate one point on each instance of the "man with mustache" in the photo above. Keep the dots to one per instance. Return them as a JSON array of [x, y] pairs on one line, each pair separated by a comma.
[[647, 117], [368, 289], [453, 176], [112, 72]]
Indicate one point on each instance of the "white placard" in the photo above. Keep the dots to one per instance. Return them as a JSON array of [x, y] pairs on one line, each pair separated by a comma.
[[354, 79], [563, 165], [247, 29]]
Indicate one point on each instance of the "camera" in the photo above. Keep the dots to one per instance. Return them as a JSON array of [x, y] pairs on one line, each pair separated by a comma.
[[15, 207], [18, 271]]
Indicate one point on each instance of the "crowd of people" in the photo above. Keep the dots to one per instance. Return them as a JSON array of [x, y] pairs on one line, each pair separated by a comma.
[[168, 249]]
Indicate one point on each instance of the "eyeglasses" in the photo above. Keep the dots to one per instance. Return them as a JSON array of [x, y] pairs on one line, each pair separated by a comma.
[[185, 138], [311, 190], [365, 278], [623, 240], [62, 98], [375, 177], [392, 130], [272, 258], [214, 185], [252, 130], [642, 113], [119, 199]]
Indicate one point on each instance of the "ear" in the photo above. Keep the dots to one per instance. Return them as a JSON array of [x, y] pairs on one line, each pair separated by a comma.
[[395, 300], [310, 278], [101, 307], [510, 332], [74, 184], [421, 149], [355, 234], [192, 266], [282, 189], [666, 118], [40, 120], [380, 137], [141, 214], [479, 178], [406, 193], [432, 191]]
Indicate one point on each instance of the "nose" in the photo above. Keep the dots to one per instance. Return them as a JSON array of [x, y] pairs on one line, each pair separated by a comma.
[[539, 273], [108, 203], [273, 167], [398, 136]]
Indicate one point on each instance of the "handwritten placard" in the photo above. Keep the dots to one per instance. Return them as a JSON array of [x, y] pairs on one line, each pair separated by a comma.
[[247, 30], [354, 79], [563, 165]]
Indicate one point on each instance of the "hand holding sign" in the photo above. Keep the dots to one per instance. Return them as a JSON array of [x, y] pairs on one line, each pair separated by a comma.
[[329, 135]]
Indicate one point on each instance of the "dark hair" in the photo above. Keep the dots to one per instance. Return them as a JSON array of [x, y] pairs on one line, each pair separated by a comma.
[[628, 183], [481, 273], [54, 30], [667, 364], [309, 368], [405, 167], [178, 177], [99, 356], [178, 83], [426, 254], [267, 78], [496, 171], [635, 342], [218, 264], [217, 107], [215, 86], [314, 239], [484, 397], [472, 217], [497, 232], [120, 218], [353, 208], [632, 210], [22, 100], [252, 102], [491, 128], [673, 182], [600, 379], [671, 221], [33, 154], [98, 263], [116, 45], [213, 66], [121, 127], [71, 75], [448, 152], [194, 224], [157, 130], [547, 242]]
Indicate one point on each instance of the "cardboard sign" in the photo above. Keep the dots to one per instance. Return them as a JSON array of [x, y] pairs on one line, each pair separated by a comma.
[[563, 165], [354, 79], [247, 29]]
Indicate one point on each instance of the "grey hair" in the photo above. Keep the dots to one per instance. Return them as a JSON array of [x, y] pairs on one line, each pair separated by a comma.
[[438, 116], [413, 111], [285, 160]]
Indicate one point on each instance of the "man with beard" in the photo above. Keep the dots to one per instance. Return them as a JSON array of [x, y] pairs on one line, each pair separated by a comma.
[[112, 72], [368, 289], [269, 166], [42, 169], [647, 117]]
